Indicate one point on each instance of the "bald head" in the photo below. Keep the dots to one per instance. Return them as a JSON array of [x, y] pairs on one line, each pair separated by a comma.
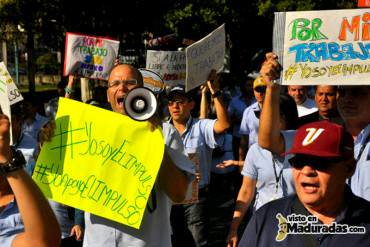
[[122, 79], [126, 69]]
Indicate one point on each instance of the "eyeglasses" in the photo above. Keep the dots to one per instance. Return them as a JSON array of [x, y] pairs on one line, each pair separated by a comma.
[[260, 89], [320, 164], [129, 84], [178, 101]]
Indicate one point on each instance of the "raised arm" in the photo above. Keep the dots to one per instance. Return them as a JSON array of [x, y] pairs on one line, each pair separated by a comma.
[[203, 102], [69, 88], [222, 122], [40, 225], [269, 136]]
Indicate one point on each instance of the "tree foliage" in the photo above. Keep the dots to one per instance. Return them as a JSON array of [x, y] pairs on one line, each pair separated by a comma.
[[248, 23], [268, 7]]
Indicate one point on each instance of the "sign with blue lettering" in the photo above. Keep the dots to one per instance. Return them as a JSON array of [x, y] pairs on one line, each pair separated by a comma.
[[328, 47], [89, 56]]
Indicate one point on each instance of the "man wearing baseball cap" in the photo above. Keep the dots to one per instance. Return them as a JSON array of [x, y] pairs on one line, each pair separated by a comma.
[[324, 212], [200, 137], [353, 106], [250, 121]]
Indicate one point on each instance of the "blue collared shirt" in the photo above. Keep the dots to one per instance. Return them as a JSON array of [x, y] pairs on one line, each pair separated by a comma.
[[360, 180], [235, 111], [10, 224], [259, 166], [199, 139], [250, 123]]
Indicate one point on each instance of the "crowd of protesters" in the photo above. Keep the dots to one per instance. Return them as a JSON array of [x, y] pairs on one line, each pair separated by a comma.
[[277, 151]]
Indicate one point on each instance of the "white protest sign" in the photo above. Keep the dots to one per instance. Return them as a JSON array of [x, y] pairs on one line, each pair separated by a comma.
[[5, 79], [203, 56], [170, 65], [5, 103], [328, 47], [89, 56]]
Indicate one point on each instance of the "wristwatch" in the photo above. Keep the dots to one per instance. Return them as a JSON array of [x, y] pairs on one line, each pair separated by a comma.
[[16, 162]]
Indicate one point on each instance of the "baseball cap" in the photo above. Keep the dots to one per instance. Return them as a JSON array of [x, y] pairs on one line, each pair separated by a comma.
[[259, 82], [322, 139], [178, 90]]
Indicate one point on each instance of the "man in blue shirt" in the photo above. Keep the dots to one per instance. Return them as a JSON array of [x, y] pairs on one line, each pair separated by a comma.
[[200, 138], [324, 212], [250, 121]]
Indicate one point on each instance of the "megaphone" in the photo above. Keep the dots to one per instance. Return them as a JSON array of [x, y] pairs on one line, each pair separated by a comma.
[[140, 104]]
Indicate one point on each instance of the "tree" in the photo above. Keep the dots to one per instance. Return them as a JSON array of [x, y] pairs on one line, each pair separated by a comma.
[[268, 7]]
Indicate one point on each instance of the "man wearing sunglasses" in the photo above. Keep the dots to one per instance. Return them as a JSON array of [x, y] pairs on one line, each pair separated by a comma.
[[353, 106], [250, 120], [200, 137], [324, 212]]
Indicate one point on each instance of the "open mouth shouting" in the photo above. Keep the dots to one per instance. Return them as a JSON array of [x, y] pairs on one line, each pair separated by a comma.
[[310, 187]]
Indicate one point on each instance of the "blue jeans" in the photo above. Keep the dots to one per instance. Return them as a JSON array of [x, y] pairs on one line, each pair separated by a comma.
[[193, 219]]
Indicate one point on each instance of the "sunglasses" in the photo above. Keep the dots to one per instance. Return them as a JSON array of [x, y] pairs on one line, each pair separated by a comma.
[[260, 89], [317, 163]]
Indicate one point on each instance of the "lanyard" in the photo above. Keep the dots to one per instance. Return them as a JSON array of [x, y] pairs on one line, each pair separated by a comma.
[[277, 177]]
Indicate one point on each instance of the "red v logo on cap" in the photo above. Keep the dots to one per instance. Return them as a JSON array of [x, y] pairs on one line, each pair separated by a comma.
[[311, 136]]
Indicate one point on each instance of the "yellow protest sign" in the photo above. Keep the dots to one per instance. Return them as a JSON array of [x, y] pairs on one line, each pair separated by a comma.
[[100, 162]]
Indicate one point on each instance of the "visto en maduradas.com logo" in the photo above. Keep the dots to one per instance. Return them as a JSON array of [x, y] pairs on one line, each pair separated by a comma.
[[302, 224]]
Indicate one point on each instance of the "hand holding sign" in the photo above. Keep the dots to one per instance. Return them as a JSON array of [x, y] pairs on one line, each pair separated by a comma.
[[213, 82], [203, 56], [89, 56], [106, 165]]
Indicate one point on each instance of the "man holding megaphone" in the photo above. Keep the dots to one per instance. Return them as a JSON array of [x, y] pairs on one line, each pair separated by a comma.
[[175, 173]]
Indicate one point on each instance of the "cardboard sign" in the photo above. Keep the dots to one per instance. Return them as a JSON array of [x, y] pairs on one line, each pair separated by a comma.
[[170, 65], [101, 162], [328, 47], [89, 56], [5, 79], [203, 56], [5, 104]]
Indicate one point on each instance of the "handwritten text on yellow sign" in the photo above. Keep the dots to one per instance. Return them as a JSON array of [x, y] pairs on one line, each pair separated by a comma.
[[100, 162]]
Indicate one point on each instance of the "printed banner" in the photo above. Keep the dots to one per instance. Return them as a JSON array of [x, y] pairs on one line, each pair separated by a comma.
[[89, 56], [6, 80], [327, 47], [203, 56], [170, 65], [100, 162]]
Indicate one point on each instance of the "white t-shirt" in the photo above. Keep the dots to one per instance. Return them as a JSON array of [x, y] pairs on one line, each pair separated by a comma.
[[307, 107]]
